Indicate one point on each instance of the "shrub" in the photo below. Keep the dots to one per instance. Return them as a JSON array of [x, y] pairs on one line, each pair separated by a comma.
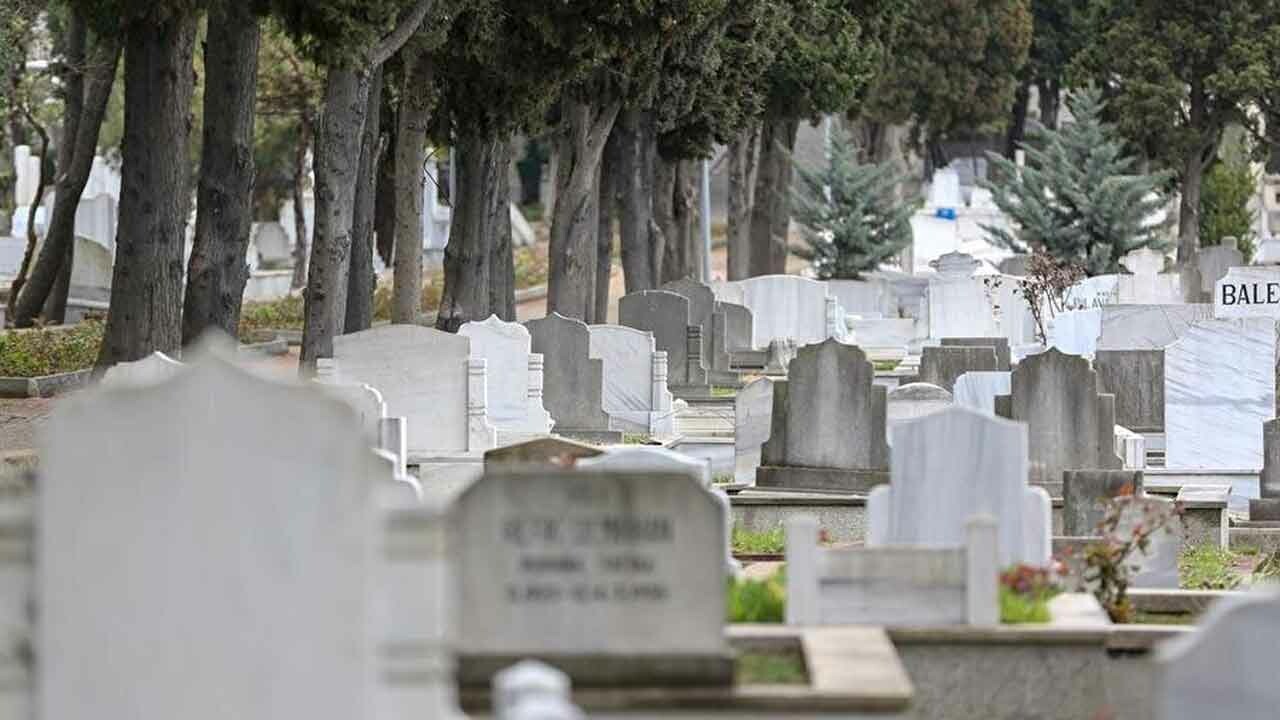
[[48, 351], [287, 313], [769, 541], [1025, 592]]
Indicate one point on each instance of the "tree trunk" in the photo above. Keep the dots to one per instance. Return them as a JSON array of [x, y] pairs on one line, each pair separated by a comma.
[[679, 188], [771, 209], [742, 171], [586, 128], [337, 161], [665, 178], [55, 306], [1018, 119], [384, 204], [1050, 100], [610, 162], [360, 277], [146, 285], [301, 248], [216, 271], [633, 179], [480, 219], [32, 237], [80, 141], [1189, 207], [411, 156], [502, 265], [688, 186]]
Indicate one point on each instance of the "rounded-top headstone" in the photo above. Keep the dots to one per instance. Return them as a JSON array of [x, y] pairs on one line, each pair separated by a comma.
[[524, 680]]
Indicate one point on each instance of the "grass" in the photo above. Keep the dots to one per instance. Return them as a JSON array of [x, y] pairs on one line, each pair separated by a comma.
[[283, 314], [766, 668], [1016, 608], [1151, 618], [49, 351], [724, 479], [769, 541], [635, 439], [723, 392], [1208, 567], [532, 266], [885, 365], [757, 601]]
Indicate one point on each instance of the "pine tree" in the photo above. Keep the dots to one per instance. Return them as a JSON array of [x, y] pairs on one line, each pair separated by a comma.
[[851, 218], [1078, 199]]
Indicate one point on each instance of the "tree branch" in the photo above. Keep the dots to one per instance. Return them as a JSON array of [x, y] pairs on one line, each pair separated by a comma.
[[407, 26]]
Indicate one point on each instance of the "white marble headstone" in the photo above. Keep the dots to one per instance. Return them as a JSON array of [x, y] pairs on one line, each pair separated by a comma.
[[150, 370], [506, 348], [753, 418], [978, 390], [783, 306], [951, 465], [1219, 388], [635, 389], [1246, 292], [1147, 327]]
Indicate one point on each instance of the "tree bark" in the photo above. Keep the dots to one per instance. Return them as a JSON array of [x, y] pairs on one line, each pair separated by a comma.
[[146, 285], [742, 171], [32, 237], [337, 160], [502, 265], [216, 271], [301, 248], [1018, 119], [411, 156], [571, 284], [1050, 101], [634, 186], [55, 306], [360, 277], [771, 210], [384, 204], [610, 163], [79, 143], [665, 178], [481, 219], [678, 218]]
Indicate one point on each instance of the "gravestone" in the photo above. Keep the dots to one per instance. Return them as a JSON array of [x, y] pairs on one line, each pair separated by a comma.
[[231, 561], [635, 380], [150, 370], [958, 302], [1001, 345], [1069, 426], [828, 423], [1136, 378], [702, 312], [1267, 508], [1015, 265], [1214, 261], [1087, 493], [1219, 388], [1246, 292], [613, 577], [950, 466], [1223, 669], [863, 297], [554, 451], [783, 307], [979, 390], [96, 219], [753, 411], [942, 365], [666, 315], [273, 244], [573, 381], [429, 378], [1146, 283], [738, 326], [389, 434], [514, 374], [1147, 327], [1076, 332], [91, 271], [914, 400]]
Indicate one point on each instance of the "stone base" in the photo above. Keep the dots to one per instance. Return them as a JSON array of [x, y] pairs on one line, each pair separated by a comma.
[[748, 359], [597, 437], [665, 670], [821, 479], [695, 393], [1266, 509], [726, 379]]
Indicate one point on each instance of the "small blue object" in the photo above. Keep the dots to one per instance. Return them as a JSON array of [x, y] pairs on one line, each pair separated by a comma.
[[945, 213]]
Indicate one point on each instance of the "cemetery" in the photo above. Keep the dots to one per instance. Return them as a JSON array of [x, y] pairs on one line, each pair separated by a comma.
[[408, 360]]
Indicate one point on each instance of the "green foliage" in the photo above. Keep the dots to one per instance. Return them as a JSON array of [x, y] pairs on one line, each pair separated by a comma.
[[531, 266], [1268, 568], [954, 66], [283, 314], [770, 668], [339, 33], [1059, 32], [769, 541], [1229, 186], [851, 216], [1080, 198], [758, 601], [1025, 593], [1107, 565], [1208, 567], [48, 351]]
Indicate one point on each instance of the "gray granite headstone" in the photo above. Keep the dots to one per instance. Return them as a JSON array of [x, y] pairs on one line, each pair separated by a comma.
[[753, 411], [738, 325], [1056, 395], [702, 308], [1000, 344], [666, 315], [1213, 263], [1268, 506], [1136, 378], [942, 365], [915, 400], [572, 381], [613, 577], [828, 422], [1087, 493]]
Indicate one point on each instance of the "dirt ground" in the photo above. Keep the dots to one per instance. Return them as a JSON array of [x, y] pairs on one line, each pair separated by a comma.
[[21, 420]]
